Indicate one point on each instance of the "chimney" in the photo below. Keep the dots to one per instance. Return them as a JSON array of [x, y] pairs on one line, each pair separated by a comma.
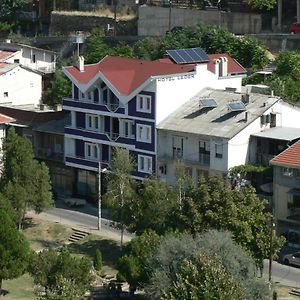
[[217, 67], [246, 116], [245, 98], [224, 66], [80, 63]]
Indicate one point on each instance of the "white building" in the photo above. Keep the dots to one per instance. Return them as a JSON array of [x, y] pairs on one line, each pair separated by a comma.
[[28, 56], [19, 85], [216, 130]]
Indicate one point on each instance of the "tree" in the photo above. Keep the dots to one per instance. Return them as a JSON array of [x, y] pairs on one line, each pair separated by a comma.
[[184, 264], [8, 8], [60, 88], [14, 250], [62, 275], [25, 182], [214, 205], [98, 260], [120, 185], [285, 80], [261, 4], [132, 266], [157, 212]]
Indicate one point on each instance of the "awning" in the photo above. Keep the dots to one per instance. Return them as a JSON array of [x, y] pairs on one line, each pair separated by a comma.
[[295, 192]]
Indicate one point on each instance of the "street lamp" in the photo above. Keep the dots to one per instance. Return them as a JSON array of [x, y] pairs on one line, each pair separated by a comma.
[[100, 171], [271, 249]]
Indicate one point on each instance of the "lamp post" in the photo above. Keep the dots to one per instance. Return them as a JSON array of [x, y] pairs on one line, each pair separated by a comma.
[[99, 194], [170, 14], [271, 249]]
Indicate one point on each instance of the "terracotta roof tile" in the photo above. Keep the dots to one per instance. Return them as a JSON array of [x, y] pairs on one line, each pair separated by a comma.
[[5, 54], [289, 157], [6, 119], [233, 65], [127, 74]]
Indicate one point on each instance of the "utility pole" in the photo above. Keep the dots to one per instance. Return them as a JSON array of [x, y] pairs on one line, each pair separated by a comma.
[[99, 196], [170, 14], [115, 2], [271, 249]]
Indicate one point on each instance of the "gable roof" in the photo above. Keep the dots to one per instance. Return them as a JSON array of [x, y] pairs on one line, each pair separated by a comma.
[[289, 157], [126, 74], [5, 67], [6, 119], [233, 66], [217, 121], [4, 55]]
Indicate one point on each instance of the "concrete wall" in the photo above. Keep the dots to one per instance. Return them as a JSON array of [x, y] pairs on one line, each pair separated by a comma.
[[154, 21], [108, 4], [278, 42], [66, 24]]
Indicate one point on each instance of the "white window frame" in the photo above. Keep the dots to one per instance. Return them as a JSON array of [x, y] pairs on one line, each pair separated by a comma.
[[145, 164], [96, 122], [143, 103], [287, 172], [143, 133], [177, 146], [91, 151], [130, 125]]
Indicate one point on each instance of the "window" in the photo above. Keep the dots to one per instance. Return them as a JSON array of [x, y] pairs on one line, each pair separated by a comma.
[[272, 120], [201, 173], [16, 61], [204, 152], [93, 122], [287, 172], [143, 103], [143, 133], [145, 164], [90, 96], [177, 147], [5, 94], [33, 59], [127, 129], [219, 150], [91, 151]]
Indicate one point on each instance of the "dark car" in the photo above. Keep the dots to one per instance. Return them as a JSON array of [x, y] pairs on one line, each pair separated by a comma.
[[295, 28]]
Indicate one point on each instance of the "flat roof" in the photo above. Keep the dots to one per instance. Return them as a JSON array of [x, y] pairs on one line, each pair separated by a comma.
[[279, 133]]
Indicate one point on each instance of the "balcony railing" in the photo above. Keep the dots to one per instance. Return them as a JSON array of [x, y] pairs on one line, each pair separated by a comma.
[[204, 159], [86, 163], [49, 154]]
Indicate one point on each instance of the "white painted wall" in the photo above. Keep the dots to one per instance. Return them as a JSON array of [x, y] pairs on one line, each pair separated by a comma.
[[23, 87], [173, 91], [44, 60]]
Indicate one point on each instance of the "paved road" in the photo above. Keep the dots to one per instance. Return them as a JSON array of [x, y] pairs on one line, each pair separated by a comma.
[[85, 218], [285, 275]]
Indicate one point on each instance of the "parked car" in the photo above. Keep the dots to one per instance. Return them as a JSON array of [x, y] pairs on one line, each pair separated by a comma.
[[74, 202], [295, 28], [292, 259]]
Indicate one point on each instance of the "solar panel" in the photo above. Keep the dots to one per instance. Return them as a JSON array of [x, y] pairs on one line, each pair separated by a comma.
[[187, 56], [208, 102], [237, 106]]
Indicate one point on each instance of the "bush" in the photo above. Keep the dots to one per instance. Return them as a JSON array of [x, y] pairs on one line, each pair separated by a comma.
[[98, 264]]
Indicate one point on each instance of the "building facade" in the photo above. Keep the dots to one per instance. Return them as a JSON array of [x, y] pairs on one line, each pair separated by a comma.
[[119, 101]]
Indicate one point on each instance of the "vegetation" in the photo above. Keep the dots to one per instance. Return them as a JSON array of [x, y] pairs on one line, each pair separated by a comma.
[[120, 185], [285, 80], [62, 275], [263, 4], [250, 52], [60, 88], [208, 266], [14, 250], [98, 264], [8, 8], [25, 182]]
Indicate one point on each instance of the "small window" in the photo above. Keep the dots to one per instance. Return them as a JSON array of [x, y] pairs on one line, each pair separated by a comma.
[[288, 172], [143, 133], [91, 151], [93, 122], [33, 58], [16, 61], [219, 150], [128, 129], [143, 103], [5, 94], [145, 164]]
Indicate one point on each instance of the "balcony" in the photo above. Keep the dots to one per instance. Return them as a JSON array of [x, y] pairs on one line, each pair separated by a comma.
[[84, 133], [49, 154], [204, 159], [84, 163]]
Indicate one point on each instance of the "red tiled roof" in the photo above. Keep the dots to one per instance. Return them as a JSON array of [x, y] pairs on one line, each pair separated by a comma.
[[233, 65], [5, 54], [127, 74], [289, 157], [6, 119]]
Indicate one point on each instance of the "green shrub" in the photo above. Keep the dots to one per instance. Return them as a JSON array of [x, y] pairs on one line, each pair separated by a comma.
[[98, 264]]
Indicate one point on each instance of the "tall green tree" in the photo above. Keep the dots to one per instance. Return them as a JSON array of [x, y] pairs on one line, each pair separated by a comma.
[[14, 249], [62, 275], [60, 87], [263, 4], [8, 8], [213, 204], [120, 185], [25, 182]]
